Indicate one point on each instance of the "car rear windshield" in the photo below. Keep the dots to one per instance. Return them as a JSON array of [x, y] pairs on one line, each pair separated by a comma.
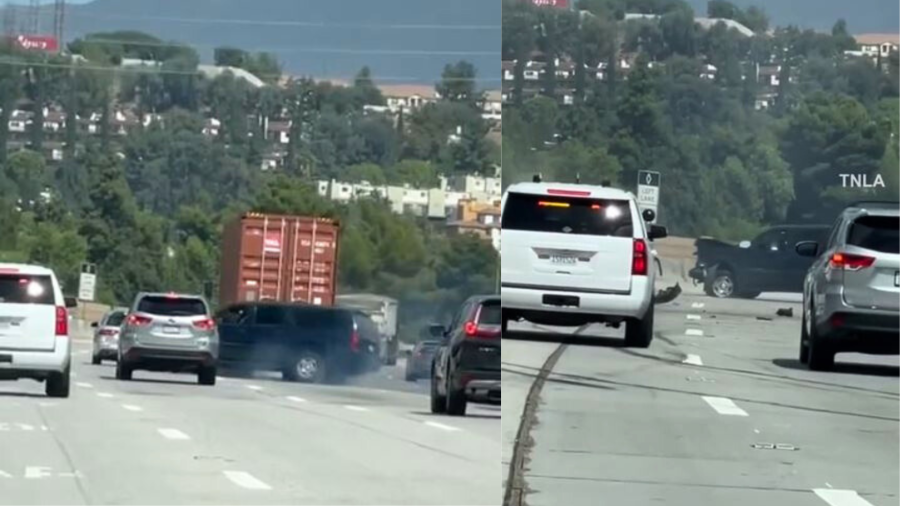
[[877, 233], [172, 306], [115, 319], [24, 289], [567, 215], [490, 314]]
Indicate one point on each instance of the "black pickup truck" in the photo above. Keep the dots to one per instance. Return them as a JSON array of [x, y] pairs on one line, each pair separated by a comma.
[[306, 343], [768, 263]]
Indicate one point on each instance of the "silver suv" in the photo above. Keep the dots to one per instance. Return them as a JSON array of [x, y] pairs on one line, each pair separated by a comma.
[[851, 294], [170, 333]]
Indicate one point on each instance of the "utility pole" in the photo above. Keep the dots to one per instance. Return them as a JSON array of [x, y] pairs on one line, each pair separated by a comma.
[[34, 17], [59, 22]]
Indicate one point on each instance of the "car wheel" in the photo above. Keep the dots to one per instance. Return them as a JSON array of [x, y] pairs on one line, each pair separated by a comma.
[[639, 332], [438, 401], [723, 284], [804, 336], [207, 376], [58, 384], [307, 366], [123, 371], [95, 359], [456, 402], [821, 354]]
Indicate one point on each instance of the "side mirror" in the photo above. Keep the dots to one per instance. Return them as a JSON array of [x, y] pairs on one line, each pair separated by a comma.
[[71, 302], [648, 215], [744, 244], [437, 330], [808, 249], [658, 232], [95, 325]]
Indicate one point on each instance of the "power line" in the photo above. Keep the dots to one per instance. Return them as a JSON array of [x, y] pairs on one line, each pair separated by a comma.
[[290, 23]]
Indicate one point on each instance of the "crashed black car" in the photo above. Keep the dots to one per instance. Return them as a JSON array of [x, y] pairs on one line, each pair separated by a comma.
[[768, 263]]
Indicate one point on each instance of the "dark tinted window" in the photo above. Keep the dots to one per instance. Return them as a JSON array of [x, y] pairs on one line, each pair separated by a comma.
[[567, 215], [271, 315], [772, 240], [490, 313], [172, 306], [115, 319], [22, 289], [877, 233], [367, 328], [313, 318], [235, 315]]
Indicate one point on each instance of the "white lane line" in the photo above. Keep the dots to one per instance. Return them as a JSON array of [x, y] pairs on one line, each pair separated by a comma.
[[295, 399], [173, 434], [692, 360], [255, 387], [85, 385], [246, 480], [693, 332], [697, 305], [694, 317], [724, 406], [355, 408], [105, 395], [441, 426], [25, 426], [132, 407], [841, 497]]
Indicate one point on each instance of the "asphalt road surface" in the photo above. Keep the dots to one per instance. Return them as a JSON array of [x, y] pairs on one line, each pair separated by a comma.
[[163, 439], [718, 411]]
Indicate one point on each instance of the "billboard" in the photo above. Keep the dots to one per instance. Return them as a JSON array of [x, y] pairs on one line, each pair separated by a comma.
[[559, 4], [35, 43]]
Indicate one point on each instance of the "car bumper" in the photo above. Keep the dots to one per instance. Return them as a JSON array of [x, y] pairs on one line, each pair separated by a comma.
[[698, 274], [169, 357], [857, 329], [525, 301], [36, 364], [479, 385]]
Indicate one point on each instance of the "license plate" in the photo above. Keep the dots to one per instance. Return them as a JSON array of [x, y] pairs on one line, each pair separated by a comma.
[[171, 330], [563, 260]]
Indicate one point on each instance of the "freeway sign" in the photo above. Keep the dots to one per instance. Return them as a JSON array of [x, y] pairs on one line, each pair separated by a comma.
[[648, 190]]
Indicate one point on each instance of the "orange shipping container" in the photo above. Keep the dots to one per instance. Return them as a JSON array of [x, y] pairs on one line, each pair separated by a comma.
[[279, 258]]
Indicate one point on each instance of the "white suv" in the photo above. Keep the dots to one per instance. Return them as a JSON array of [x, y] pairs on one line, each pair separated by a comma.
[[34, 328], [577, 254]]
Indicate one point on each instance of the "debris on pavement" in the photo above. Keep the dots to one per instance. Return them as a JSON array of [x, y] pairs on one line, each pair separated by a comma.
[[786, 312], [668, 294]]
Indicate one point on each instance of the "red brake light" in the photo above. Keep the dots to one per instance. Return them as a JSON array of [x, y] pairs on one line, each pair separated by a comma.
[[851, 262], [205, 324], [9, 270], [62, 321], [570, 193], [354, 338], [471, 329], [137, 320], [639, 259]]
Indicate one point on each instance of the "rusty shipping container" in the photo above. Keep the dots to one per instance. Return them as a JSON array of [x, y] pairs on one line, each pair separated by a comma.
[[279, 258]]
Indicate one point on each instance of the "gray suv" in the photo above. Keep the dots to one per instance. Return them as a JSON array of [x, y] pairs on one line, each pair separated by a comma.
[[851, 294], [169, 333]]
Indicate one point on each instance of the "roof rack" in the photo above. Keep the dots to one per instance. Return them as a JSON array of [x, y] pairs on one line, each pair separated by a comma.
[[874, 203]]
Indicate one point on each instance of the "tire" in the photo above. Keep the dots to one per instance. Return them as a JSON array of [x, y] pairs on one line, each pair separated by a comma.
[[504, 325], [639, 332], [57, 384], [723, 285], [123, 371], [804, 339], [95, 360], [438, 401], [307, 366], [456, 402], [821, 354], [207, 376]]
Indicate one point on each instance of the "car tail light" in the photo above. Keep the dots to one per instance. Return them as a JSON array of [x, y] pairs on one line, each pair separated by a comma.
[[474, 329], [354, 338], [205, 324], [138, 320], [62, 321], [850, 262], [837, 320], [639, 258]]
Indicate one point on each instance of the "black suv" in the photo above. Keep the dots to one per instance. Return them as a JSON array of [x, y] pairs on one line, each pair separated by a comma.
[[466, 367], [306, 343]]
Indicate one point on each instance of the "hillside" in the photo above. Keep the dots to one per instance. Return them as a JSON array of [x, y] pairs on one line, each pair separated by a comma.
[[862, 16]]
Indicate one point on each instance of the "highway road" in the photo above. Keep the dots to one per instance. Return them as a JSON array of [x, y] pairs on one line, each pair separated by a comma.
[[163, 439], [718, 411]]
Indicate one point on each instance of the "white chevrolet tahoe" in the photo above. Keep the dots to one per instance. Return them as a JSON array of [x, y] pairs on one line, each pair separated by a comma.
[[34, 328], [575, 254]]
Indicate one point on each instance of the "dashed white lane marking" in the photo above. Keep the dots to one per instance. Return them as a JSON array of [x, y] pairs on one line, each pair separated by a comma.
[[692, 360], [724, 406], [132, 407], [697, 305], [355, 408], [295, 399], [246, 480], [694, 317], [105, 395], [84, 385], [693, 332], [841, 497], [441, 426], [173, 434], [254, 387]]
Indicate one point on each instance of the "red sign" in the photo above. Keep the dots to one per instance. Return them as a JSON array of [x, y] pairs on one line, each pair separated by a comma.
[[272, 242], [559, 4], [36, 43]]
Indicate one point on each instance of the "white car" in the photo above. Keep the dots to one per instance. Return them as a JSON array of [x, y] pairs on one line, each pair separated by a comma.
[[576, 254], [34, 328]]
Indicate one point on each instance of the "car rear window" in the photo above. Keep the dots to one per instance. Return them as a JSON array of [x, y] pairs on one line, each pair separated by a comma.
[[567, 215], [25, 289], [877, 233], [115, 319], [490, 314], [172, 306]]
